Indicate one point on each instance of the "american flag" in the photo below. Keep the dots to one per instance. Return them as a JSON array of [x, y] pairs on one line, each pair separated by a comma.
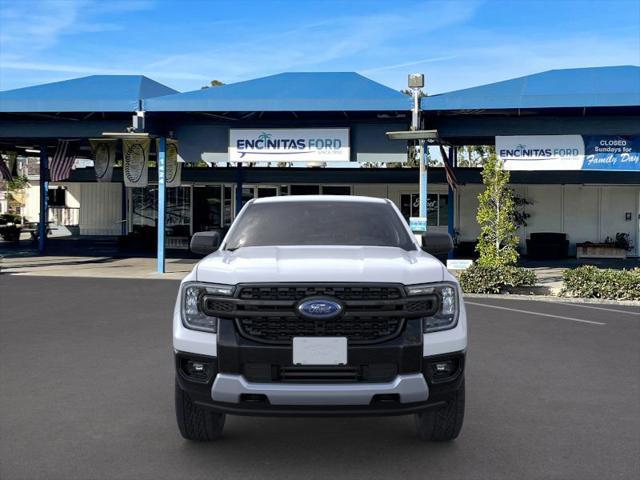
[[4, 170], [448, 169], [62, 160]]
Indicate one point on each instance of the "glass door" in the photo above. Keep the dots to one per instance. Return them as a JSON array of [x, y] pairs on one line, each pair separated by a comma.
[[207, 208]]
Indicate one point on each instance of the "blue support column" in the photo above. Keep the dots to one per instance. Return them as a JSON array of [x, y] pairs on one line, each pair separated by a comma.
[[162, 190], [239, 180], [451, 198], [423, 178], [44, 199]]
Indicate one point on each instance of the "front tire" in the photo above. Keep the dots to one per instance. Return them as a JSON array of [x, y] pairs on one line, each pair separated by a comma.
[[196, 422], [442, 424]]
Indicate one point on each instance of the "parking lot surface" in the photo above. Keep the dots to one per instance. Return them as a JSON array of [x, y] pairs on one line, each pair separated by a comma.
[[86, 392]]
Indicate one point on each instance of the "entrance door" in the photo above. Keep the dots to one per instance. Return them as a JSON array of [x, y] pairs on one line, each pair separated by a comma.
[[207, 208]]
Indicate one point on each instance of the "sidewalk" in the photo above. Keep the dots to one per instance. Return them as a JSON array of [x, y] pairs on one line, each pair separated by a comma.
[[96, 267]]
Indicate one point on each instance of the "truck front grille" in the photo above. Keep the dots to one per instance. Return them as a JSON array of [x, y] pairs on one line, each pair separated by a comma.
[[372, 313], [282, 329]]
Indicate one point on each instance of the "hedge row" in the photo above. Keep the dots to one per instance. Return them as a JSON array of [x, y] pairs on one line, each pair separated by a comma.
[[592, 282], [483, 279]]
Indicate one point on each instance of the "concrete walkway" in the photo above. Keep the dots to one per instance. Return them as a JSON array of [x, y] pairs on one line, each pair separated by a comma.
[[95, 267]]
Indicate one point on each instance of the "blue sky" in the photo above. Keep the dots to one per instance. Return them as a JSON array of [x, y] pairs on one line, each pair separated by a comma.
[[184, 44]]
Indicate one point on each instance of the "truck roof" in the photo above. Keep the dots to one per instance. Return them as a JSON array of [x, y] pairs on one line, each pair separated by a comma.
[[320, 198]]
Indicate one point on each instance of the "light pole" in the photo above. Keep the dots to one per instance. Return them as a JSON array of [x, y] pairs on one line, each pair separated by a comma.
[[416, 83]]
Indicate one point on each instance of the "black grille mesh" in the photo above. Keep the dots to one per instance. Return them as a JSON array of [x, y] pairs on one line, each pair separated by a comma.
[[283, 329], [341, 292]]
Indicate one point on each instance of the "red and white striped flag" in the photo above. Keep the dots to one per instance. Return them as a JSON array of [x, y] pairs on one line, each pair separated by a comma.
[[62, 160]]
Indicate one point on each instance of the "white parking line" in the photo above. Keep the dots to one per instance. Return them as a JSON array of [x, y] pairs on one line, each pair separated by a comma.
[[596, 308], [535, 313]]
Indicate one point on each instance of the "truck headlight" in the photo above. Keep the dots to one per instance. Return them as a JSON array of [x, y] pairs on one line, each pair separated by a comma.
[[192, 315], [447, 315]]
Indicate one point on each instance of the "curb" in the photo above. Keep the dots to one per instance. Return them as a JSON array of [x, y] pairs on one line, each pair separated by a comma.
[[554, 299]]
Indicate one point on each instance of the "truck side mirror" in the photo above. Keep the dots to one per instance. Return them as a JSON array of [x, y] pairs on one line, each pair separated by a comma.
[[437, 243], [204, 243]]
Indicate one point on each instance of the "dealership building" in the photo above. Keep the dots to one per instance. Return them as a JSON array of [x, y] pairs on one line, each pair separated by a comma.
[[570, 137]]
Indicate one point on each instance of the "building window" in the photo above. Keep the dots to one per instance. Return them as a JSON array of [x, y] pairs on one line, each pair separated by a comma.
[[57, 197], [336, 190], [178, 219], [304, 189], [144, 209], [437, 208]]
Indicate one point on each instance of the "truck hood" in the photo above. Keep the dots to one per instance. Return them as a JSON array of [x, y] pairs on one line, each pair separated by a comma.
[[319, 264]]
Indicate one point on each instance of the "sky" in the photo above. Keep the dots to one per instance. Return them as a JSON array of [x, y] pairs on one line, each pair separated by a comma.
[[185, 44]]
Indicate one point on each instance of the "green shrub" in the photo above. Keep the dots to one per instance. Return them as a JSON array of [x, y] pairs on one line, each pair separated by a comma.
[[493, 279], [592, 282]]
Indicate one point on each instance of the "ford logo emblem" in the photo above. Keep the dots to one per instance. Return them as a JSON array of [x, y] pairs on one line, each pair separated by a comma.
[[319, 308]]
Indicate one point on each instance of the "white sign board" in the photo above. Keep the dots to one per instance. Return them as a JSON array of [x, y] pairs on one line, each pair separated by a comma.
[[289, 145], [458, 264], [418, 224], [541, 152]]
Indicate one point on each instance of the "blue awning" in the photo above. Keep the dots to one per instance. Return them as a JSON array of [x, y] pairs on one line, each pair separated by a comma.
[[96, 93], [570, 88], [288, 92]]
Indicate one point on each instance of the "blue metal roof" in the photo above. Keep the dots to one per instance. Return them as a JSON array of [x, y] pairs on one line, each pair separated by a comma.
[[96, 93], [298, 92], [577, 87]]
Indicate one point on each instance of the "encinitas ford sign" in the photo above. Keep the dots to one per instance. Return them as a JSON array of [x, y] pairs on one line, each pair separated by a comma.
[[289, 145], [541, 152], [569, 152]]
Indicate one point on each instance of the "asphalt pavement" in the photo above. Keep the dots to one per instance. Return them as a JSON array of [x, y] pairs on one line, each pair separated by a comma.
[[86, 392]]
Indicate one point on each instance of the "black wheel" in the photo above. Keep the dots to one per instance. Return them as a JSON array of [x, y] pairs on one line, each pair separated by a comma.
[[442, 424], [195, 422]]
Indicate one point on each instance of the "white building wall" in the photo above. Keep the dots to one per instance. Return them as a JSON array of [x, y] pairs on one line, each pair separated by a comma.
[[615, 203], [370, 190], [546, 210], [100, 208], [581, 215], [583, 212]]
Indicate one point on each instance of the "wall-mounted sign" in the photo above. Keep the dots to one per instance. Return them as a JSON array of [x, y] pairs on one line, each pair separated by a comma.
[[418, 224], [135, 154], [541, 152], [104, 158], [289, 145], [610, 152], [569, 152]]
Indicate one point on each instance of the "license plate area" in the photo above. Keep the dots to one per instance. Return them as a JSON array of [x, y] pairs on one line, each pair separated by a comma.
[[320, 350]]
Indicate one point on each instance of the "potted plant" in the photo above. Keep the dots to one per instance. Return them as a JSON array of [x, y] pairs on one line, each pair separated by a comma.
[[611, 247]]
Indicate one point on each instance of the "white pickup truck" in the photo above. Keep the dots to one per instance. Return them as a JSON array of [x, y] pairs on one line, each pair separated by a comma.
[[319, 305]]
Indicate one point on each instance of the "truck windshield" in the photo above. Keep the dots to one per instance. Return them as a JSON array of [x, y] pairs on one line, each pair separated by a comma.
[[319, 223]]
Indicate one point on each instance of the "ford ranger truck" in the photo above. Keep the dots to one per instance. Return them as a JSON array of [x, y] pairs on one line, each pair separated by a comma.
[[319, 305]]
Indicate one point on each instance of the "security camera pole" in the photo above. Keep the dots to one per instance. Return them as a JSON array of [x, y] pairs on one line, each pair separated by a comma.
[[416, 83]]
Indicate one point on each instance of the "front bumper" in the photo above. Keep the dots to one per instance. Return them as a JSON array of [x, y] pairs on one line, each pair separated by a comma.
[[405, 394], [405, 388]]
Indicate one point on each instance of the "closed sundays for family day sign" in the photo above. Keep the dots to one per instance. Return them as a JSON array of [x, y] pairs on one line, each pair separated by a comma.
[[289, 145], [569, 152]]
